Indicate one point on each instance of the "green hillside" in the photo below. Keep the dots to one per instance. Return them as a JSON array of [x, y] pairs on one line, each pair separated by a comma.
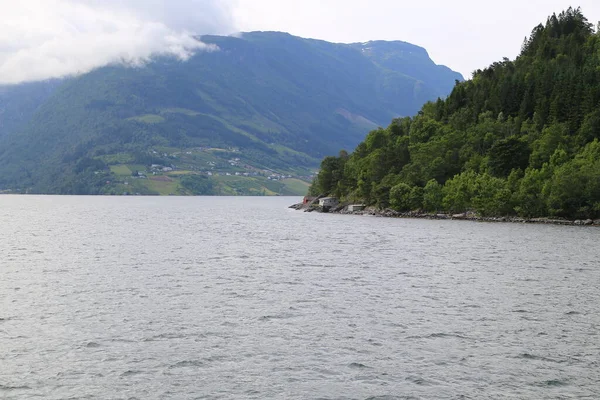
[[520, 138], [18, 103], [275, 102]]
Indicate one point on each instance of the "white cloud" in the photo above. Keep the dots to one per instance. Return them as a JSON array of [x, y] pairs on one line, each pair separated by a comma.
[[50, 38], [41, 39]]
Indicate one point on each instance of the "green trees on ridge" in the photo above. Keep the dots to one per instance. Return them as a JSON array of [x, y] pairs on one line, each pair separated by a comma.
[[520, 138]]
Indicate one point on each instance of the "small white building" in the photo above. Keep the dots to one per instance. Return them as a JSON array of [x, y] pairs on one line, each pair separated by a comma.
[[356, 207], [328, 202]]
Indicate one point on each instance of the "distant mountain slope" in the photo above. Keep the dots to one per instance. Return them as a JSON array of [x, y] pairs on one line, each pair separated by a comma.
[[412, 61], [19, 103], [276, 101]]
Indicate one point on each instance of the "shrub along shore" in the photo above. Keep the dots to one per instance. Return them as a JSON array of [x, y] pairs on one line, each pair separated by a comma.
[[467, 216]]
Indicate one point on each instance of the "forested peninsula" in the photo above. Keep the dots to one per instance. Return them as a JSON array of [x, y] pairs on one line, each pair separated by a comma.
[[521, 138]]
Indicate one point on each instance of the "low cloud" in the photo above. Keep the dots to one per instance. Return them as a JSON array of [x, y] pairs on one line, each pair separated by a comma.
[[42, 39]]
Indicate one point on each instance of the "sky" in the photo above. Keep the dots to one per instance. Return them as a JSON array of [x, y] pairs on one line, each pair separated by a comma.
[[41, 39], [465, 35]]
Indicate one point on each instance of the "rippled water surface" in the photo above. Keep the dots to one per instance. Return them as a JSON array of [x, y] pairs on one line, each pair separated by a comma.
[[235, 298]]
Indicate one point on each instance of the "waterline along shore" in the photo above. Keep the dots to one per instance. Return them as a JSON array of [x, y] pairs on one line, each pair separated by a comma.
[[467, 216]]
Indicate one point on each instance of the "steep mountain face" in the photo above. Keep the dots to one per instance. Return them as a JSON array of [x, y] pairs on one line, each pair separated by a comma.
[[271, 100], [520, 138], [19, 103], [410, 60]]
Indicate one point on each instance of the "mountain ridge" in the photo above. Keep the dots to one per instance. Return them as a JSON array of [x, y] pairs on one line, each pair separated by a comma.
[[275, 96]]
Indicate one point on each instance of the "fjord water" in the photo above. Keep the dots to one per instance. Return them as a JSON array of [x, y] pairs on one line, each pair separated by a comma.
[[156, 298]]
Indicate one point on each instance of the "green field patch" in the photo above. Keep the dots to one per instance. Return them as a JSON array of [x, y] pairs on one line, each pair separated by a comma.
[[148, 119], [274, 186], [160, 178], [137, 167], [244, 186], [134, 187], [265, 192], [120, 170], [179, 173], [295, 187], [162, 187]]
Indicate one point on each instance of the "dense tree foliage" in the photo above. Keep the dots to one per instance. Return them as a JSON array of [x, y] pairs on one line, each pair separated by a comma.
[[198, 185], [520, 137]]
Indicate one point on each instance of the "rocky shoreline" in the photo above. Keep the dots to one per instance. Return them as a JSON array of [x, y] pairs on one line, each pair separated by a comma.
[[469, 216]]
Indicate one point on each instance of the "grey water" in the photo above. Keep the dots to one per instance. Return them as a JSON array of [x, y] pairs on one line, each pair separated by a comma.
[[242, 298]]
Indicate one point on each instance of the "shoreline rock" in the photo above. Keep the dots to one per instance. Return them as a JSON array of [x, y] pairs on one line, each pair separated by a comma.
[[468, 216]]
